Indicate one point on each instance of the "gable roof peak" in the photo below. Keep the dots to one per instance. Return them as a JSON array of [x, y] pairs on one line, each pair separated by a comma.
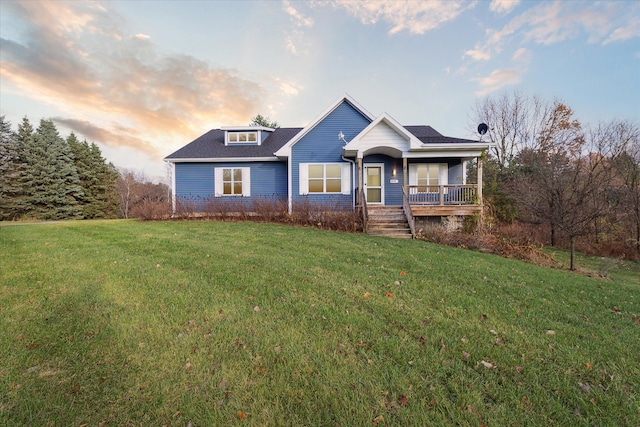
[[285, 151]]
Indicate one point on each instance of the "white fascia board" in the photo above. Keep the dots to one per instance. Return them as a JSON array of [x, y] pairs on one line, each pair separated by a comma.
[[285, 150], [453, 146], [246, 128], [443, 153], [224, 159]]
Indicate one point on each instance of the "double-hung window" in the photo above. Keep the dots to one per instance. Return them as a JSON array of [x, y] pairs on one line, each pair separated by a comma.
[[325, 178], [232, 182]]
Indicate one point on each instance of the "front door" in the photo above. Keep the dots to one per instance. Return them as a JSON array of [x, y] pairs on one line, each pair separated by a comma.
[[374, 183]]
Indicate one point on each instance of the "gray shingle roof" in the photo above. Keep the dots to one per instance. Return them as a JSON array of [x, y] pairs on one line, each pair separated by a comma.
[[428, 135], [211, 145]]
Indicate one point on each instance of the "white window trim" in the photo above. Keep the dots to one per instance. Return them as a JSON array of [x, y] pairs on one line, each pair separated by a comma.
[[219, 182], [345, 178]]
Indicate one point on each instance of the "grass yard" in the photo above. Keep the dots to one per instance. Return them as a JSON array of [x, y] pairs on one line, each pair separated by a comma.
[[164, 323]]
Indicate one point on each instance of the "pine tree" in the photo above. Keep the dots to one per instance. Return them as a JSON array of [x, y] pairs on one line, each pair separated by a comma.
[[107, 175], [97, 179], [53, 184], [12, 172], [22, 198], [88, 174]]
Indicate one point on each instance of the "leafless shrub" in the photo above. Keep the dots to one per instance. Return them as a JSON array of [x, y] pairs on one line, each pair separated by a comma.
[[149, 209], [484, 241], [326, 216]]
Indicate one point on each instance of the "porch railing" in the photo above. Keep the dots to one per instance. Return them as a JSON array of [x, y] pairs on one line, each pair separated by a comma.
[[406, 207], [442, 195], [361, 203]]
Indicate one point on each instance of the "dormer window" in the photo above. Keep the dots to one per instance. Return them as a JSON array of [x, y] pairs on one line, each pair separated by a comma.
[[242, 137], [245, 135]]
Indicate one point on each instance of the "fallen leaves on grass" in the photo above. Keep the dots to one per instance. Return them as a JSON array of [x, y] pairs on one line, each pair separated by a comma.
[[402, 400], [389, 295], [519, 369], [403, 274], [466, 355], [378, 419], [487, 365], [367, 294], [256, 309], [551, 332], [241, 415]]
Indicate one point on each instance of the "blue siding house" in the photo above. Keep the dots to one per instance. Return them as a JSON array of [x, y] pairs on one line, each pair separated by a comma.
[[345, 157]]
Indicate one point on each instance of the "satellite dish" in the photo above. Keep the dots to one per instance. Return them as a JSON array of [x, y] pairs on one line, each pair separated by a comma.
[[482, 128]]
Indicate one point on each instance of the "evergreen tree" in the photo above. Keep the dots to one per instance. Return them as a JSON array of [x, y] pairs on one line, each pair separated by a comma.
[[12, 172], [24, 140], [88, 168], [108, 175], [53, 186], [97, 179]]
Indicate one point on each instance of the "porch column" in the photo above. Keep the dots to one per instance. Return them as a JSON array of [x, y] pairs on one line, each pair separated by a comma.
[[480, 181], [404, 171], [359, 172]]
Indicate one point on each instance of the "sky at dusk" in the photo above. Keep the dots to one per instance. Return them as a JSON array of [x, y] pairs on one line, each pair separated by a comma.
[[143, 78]]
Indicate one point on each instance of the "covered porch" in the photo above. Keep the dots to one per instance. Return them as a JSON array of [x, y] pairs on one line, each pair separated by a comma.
[[418, 192]]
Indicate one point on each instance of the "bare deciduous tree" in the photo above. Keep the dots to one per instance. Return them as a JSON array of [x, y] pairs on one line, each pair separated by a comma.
[[514, 121], [567, 176], [625, 136]]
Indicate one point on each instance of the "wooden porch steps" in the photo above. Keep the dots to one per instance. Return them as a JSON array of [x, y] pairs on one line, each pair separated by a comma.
[[387, 221]]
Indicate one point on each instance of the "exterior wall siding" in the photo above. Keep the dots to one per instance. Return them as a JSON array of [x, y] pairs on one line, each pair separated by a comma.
[[195, 181], [322, 145]]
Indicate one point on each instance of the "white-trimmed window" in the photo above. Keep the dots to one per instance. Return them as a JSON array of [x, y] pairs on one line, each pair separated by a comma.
[[232, 182], [242, 137], [325, 178]]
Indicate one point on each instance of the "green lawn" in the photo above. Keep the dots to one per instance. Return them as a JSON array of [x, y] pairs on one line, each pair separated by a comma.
[[163, 323]]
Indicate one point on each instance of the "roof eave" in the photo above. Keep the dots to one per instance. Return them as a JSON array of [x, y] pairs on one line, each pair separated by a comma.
[[221, 159]]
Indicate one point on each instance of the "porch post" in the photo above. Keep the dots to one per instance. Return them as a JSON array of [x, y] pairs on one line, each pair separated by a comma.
[[404, 171], [360, 178], [480, 181]]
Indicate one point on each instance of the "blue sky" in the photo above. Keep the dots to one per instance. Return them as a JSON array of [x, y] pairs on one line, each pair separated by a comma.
[[143, 78]]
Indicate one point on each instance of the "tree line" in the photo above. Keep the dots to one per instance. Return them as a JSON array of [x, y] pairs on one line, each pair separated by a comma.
[[44, 176], [547, 168]]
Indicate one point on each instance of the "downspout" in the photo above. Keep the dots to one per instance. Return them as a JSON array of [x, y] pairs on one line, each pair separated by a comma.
[[171, 170], [353, 174]]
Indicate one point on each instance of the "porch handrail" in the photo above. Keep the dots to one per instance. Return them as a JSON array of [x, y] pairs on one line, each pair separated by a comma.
[[362, 204], [406, 208], [442, 195]]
